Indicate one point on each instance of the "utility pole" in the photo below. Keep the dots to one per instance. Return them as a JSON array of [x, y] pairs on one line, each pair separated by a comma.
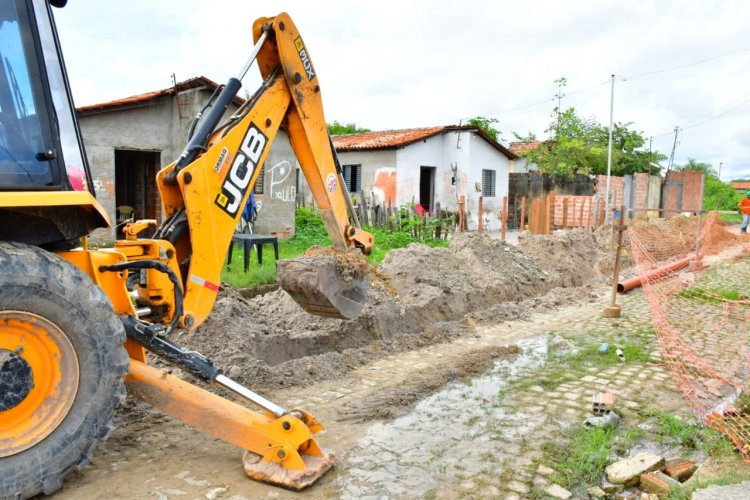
[[674, 146], [650, 141], [720, 164], [609, 148]]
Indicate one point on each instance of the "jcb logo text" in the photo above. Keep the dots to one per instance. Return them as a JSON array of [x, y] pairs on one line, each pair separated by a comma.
[[238, 179]]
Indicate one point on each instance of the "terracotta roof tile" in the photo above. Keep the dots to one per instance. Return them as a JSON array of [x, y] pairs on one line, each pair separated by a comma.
[[521, 148], [393, 139], [141, 99], [386, 139], [741, 184]]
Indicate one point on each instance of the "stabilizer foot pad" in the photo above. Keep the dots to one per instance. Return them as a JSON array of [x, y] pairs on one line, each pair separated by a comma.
[[274, 473]]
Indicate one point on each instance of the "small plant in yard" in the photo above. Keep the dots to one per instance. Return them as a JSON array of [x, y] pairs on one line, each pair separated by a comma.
[[583, 457]]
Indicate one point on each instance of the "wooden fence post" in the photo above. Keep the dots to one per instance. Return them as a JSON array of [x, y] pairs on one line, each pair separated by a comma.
[[462, 214], [480, 217], [504, 222], [550, 214], [565, 213]]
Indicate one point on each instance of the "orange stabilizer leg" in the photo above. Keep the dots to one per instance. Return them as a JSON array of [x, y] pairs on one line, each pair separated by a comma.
[[283, 440]]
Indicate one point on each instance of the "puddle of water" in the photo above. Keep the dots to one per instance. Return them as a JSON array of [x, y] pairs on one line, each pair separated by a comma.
[[462, 429]]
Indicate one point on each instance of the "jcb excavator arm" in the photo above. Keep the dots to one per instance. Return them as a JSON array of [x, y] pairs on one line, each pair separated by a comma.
[[203, 194]]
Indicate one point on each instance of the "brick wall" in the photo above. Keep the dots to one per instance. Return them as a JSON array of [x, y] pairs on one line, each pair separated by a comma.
[[616, 189], [640, 191], [580, 211]]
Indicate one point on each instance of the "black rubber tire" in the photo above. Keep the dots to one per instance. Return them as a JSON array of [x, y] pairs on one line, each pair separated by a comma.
[[40, 282]]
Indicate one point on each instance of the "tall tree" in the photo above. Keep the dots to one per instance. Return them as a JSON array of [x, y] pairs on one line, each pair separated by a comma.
[[337, 128], [579, 146]]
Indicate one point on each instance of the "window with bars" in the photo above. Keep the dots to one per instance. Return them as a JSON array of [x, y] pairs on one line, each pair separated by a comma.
[[353, 178], [259, 182], [488, 183]]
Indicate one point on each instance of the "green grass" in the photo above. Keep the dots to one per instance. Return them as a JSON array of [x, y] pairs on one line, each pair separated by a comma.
[[732, 218], [568, 365], [309, 232], [582, 459], [689, 434], [711, 295]]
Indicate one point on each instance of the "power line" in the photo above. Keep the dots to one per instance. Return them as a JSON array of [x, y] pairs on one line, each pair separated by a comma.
[[631, 77], [543, 101], [707, 119], [696, 63], [713, 117]]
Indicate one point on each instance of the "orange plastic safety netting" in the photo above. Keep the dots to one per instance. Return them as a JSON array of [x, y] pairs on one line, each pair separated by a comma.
[[701, 315]]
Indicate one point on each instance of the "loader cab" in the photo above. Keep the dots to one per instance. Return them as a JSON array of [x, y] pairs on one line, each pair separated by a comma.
[[40, 143]]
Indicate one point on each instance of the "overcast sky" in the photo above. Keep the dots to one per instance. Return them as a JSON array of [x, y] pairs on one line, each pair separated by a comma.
[[403, 64]]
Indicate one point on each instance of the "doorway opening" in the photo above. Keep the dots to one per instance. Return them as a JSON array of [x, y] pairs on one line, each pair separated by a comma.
[[427, 188], [136, 195]]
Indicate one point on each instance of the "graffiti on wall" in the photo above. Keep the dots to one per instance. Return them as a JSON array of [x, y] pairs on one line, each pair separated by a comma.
[[279, 174], [104, 186], [384, 187]]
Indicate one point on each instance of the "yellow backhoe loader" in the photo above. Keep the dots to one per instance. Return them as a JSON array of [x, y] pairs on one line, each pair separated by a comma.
[[72, 337]]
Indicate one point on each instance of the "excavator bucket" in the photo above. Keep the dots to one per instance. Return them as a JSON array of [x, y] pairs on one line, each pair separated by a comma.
[[326, 282]]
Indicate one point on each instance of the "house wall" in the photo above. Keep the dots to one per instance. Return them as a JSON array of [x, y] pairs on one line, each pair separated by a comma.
[[379, 179], [277, 204], [394, 174], [162, 127], [139, 129], [522, 165], [429, 152]]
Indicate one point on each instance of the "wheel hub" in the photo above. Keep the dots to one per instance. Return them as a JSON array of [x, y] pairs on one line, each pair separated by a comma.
[[16, 379], [39, 376]]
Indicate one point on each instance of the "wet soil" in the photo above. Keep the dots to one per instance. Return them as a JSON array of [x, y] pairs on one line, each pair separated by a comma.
[[433, 315]]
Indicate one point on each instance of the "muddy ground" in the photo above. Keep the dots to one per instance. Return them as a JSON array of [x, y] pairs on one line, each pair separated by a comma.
[[433, 315]]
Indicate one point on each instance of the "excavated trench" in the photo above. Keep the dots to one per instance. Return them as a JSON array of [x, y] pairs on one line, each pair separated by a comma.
[[418, 296]]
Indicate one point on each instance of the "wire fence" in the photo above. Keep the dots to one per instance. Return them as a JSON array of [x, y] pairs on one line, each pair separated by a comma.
[[701, 317]]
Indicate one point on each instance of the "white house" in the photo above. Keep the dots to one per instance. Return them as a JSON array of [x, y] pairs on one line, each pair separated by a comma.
[[427, 166]]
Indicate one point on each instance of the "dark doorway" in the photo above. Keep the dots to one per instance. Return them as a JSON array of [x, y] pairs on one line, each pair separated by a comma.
[[427, 188], [136, 194]]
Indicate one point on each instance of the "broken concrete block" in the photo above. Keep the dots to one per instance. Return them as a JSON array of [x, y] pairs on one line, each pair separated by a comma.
[[596, 492], [681, 471], [611, 488], [735, 491], [610, 419], [602, 403], [557, 491], [657, 482], [626, 495], [628, 471]]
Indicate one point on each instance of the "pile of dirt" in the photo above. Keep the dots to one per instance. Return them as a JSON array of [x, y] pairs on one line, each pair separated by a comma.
[[664, 239], [719, 237], [572, 257], [351, 265], [418, 296], [473, 273]]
